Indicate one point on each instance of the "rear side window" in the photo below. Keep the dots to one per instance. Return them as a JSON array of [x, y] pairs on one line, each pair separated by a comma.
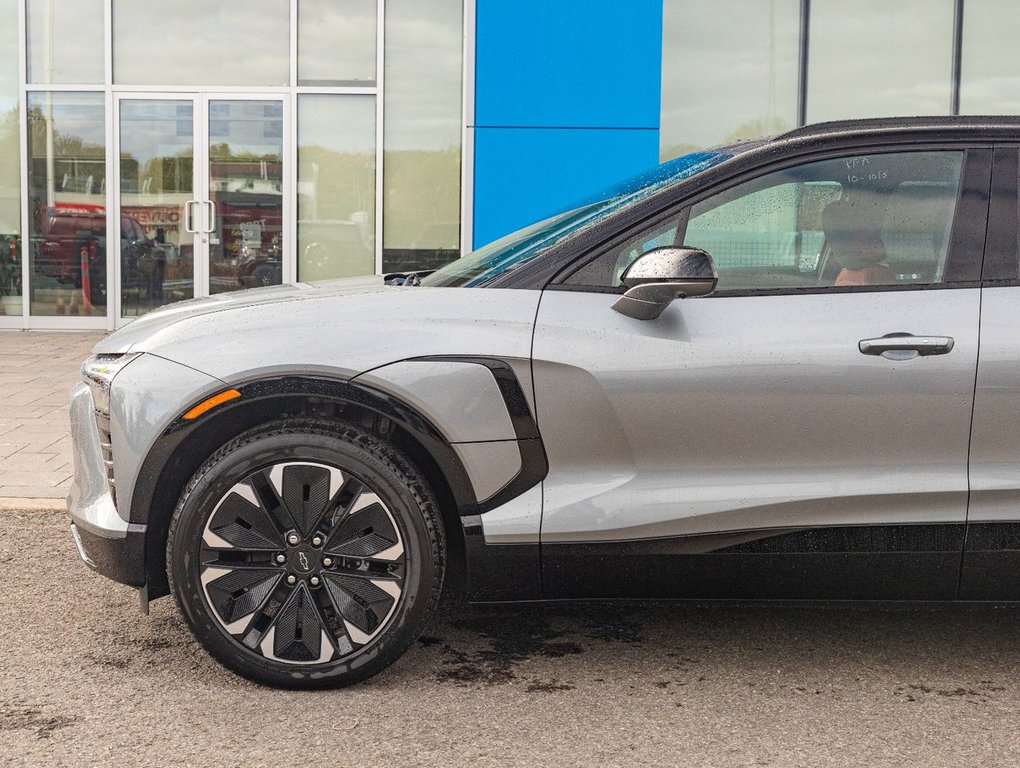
[[862, 220]]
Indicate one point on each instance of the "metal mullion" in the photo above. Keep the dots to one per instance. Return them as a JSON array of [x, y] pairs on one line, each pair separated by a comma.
[[192, 89], [380, 78], [108, 44], [200, 251], [290, 159], [114, 310], [289, 194], [340, 90], [293, 76], [467, 142], [802, 71], [23, 142], [954, 99]]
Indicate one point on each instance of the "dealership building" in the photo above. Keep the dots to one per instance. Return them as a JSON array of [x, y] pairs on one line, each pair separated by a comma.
[[156, 151]]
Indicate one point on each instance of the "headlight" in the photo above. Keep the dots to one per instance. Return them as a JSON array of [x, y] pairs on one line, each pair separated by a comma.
[[99, 371]]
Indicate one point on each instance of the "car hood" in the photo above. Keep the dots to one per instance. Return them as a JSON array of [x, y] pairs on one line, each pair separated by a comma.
[[341, 327]]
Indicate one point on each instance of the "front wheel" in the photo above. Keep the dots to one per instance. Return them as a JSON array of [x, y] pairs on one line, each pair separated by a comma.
[[306, 555]]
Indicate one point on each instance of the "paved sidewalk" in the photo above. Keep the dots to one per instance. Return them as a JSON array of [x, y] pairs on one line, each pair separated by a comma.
[[37, 372]]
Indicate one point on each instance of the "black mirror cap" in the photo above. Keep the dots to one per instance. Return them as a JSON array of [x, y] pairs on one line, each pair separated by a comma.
[[670, 264]]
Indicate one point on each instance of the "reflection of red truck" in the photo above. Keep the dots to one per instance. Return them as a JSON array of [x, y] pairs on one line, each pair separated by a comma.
[[65, 233]]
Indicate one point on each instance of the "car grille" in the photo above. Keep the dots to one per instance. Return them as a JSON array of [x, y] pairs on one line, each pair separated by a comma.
[[103, 424]]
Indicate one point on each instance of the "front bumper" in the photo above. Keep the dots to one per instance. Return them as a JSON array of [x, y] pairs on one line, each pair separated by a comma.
[[106, 541]]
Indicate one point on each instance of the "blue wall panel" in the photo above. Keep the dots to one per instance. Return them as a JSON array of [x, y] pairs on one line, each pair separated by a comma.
[[566, 102], [526, 174], [568, 63]]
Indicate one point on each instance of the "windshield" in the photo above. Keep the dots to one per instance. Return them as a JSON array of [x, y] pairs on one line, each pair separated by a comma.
[[522, 246]]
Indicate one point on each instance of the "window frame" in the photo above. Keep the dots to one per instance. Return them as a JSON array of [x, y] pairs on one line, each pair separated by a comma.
[[964, 259]]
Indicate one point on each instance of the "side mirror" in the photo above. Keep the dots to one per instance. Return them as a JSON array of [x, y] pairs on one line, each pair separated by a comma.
[[661, 275]]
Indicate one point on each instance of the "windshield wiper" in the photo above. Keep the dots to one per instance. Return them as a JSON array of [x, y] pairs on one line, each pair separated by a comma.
[[406, 278]]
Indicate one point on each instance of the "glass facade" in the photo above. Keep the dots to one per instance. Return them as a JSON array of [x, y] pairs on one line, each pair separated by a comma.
[[201, 42], [146, 157], [62, 41], [737, 69], [336, 186], [10, 166], [421, 171], [67, 233], [856, 61], [723, 81], [211, 146]]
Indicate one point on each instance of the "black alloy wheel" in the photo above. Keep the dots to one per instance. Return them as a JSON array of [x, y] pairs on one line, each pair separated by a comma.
[[307, 555]]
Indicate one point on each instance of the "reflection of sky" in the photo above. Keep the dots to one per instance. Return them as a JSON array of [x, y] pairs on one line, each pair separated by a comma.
[[9, 58], [234, 42], [150, 129], [197, 42], [74, 114], [991, 58], [345, 124], [880, 59], [725, 64], [424, 59], [75, 31], [336, 41]]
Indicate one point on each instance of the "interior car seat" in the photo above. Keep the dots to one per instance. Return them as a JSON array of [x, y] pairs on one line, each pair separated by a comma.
[[853, 235]]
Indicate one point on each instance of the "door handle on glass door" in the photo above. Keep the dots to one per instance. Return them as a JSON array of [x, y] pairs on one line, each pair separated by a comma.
[[211, 223], [189, 218], [904, 346]]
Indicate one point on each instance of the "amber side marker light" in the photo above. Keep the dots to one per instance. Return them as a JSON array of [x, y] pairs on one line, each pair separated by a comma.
[[212, 402]]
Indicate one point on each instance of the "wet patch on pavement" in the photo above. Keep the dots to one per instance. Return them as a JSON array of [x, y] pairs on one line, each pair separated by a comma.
[[24, 717]]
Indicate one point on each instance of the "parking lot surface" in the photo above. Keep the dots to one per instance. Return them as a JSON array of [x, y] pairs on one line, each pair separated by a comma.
[[88, 680]]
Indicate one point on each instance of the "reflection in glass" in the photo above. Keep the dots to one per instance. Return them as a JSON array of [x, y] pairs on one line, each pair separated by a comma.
[[990, 69], [336, 42], [67, 203], [200, 42], [336, 186], [65, 41], [723, 81], [881, 59], [10, 163], [421, 207], [246, 190], [156, 181]]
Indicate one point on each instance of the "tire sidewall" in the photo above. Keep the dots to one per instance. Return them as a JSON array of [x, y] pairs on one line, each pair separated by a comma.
[[249, 454]]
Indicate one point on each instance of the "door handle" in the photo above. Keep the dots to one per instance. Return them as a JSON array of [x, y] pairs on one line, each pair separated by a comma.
[[904, 346], [189, 219], [211, 223]]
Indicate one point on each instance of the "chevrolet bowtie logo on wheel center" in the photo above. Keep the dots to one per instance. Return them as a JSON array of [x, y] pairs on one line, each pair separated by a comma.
[[304, 561]]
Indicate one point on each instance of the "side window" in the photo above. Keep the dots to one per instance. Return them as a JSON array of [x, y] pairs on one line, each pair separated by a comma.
[[877, 219], [606, 270]]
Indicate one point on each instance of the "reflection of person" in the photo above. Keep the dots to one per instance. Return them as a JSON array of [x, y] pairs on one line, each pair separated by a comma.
[[158, 265]]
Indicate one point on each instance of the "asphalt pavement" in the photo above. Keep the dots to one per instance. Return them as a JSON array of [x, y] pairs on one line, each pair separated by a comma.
[[87, 680]]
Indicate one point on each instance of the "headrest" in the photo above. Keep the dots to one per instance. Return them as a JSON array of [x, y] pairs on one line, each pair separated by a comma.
[[853, 231]]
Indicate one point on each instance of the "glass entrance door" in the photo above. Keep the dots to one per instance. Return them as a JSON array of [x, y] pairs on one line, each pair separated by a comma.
[[244, 193], [202, 197]]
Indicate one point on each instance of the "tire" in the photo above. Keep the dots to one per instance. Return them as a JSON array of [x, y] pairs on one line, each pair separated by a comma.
[[361, 541], [264, 276]]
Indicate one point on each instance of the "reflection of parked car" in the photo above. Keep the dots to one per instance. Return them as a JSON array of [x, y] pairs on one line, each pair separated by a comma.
[[257, 267], [67, 233]]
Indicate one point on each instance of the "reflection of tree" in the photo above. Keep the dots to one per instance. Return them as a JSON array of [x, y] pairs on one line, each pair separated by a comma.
[[422, 203], [10, 172], [64, 145], [752, 129], [335, 184], [222, 150]]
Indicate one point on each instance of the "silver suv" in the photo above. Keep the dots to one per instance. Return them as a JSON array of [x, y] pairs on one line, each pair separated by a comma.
[[303, 466]]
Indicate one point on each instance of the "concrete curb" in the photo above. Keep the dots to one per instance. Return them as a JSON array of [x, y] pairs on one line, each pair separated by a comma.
[[32, 505]]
